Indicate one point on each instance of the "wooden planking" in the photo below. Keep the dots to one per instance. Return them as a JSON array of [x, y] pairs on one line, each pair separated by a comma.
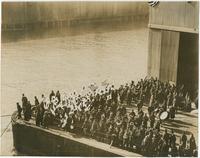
[[174, 28], [196, 23], [169, 56], [154, 52], [179, 14]]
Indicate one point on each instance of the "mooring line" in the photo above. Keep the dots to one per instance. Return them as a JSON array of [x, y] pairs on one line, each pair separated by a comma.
[[6, 128], [5, 115]]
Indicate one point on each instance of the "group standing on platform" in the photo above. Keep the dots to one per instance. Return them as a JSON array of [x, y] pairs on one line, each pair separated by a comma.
[[103, 115]]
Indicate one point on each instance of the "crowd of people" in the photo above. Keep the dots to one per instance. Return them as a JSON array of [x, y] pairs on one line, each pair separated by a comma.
[[102, 113]]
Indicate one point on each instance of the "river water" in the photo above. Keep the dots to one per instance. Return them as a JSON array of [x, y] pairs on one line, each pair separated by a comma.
[[67, 63]]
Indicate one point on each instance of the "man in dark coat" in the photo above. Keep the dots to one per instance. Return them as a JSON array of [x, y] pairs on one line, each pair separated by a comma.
[[24, 103], [39, 114], [24, 100], [69, 123], [172, 112], [36, 101], [165, 150], [129, 97], [147, 144], [152, 120], [184, 139], [181, 150], [166, 137], [28, 111], [145, 120], [19, 110], [58, 96], [174, 151], [51, 95], [192, 143], [140, 105], [172, 139], [46, 119]]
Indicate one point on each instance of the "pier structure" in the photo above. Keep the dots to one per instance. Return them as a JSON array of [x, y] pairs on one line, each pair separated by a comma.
[[173, 42]]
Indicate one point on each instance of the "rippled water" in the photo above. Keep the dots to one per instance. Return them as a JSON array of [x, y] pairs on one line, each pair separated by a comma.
[[66, 64]]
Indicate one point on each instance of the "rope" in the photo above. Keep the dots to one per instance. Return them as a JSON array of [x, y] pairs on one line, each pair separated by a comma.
[[6, 128], [5, 115]]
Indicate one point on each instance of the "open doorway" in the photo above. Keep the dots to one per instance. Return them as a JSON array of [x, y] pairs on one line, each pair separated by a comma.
[[188, 62]]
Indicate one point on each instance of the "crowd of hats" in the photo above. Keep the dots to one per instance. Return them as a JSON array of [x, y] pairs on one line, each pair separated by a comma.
[[101, 113]]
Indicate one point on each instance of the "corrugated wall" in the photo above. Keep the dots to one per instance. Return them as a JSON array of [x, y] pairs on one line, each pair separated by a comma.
[[178, 14], [154, 52], [163, 54], [169, 56]]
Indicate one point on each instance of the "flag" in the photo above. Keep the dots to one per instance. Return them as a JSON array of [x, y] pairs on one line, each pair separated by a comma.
[[105, 83], [109, 97], [93, 87], [153, 3]]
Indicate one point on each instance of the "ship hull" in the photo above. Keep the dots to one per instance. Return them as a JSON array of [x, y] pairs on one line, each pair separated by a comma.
[[33, 140]]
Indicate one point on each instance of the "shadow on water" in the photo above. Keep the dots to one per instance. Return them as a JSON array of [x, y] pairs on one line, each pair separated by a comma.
[[54, 29]]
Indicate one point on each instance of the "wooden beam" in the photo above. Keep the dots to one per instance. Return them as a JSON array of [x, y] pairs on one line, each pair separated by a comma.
[[173, 28]]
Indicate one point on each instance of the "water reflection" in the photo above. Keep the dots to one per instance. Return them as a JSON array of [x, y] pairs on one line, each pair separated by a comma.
[[67, 63], [39, 32]]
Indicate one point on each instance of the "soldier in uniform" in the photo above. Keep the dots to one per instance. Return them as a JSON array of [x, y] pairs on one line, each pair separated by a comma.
[[166, 137], [147, 141], [120, 137], [129, 97], [94, 127], [183, 139], [181, 150], [125, 138], [85, 126], [152, 120], [165, 149], [172, 139], [145, 120], [174, 150], [192, 143], [113, 137]]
